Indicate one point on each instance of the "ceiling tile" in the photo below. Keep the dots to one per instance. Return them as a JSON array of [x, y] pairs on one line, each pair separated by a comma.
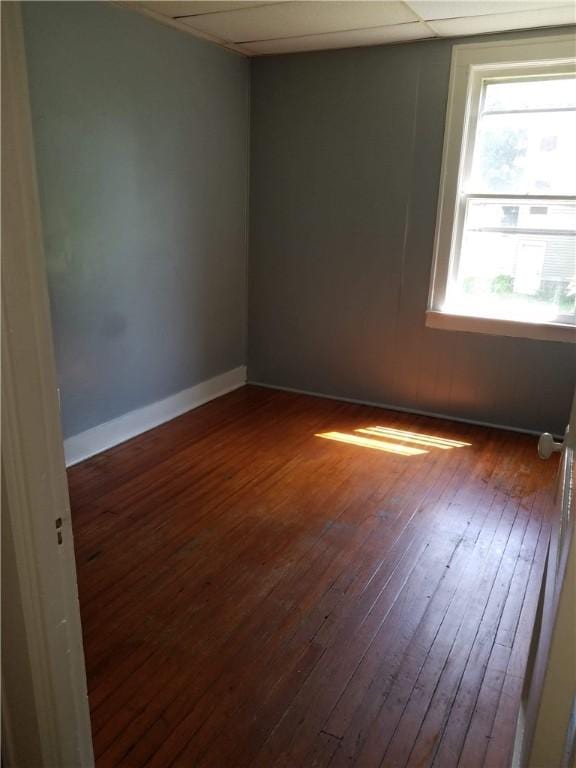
[[501, 22], [175, 8], [295, 19], [351, 39], [449, 9]]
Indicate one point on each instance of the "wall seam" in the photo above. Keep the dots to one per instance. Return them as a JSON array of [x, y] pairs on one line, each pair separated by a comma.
[[407, 219], [247, 216]]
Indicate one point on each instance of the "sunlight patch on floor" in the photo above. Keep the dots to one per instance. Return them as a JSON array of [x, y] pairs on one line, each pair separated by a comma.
[[378, 438], [366, 442], [431, 441]]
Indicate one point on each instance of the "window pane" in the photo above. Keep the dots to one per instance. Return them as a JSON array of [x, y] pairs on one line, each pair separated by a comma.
[[518, 214], [525, 154], [517, 261], [553, 93]]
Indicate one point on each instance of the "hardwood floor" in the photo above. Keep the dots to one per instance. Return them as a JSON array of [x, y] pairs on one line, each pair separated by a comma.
[[254, 594]]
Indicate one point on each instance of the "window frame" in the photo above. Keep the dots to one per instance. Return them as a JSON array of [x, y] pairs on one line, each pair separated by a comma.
[[471, 64]]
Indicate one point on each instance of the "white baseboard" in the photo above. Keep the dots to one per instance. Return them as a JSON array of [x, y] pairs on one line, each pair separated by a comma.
[[399, 408], [111, 433]]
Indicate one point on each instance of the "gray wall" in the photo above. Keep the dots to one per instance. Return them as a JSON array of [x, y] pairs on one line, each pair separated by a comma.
[[346, 155], [141, 138]]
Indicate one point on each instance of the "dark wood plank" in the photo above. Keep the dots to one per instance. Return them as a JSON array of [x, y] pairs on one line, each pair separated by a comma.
[[255, 595]]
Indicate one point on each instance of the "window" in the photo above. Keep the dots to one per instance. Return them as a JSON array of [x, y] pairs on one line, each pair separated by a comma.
[[505, 251]]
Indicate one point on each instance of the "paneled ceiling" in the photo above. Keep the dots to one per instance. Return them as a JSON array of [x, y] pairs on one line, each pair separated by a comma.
[[284, 26]]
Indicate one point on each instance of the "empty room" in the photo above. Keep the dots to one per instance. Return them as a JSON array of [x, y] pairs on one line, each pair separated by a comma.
[[288, 384]]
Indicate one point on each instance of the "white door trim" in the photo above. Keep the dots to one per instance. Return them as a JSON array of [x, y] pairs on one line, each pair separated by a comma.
[[545, 733], [43, 661]]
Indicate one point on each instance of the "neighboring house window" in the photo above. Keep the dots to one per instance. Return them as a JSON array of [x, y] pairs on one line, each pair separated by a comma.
[[505, 251]]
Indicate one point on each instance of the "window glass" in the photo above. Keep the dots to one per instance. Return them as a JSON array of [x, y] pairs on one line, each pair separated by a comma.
[[517, 261], [549, 93], [523, 153], [516, 256]]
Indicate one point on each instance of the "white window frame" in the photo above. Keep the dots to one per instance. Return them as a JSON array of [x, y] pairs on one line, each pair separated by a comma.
[[471, 64]]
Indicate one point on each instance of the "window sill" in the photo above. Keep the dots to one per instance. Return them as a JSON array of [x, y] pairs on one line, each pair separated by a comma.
[[496, 327]]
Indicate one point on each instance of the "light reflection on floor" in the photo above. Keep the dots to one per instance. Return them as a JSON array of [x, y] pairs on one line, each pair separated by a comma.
[[379, 439]]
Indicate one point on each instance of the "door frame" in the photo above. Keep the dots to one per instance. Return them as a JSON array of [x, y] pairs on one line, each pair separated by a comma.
[[45, 712], [545, 731]]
